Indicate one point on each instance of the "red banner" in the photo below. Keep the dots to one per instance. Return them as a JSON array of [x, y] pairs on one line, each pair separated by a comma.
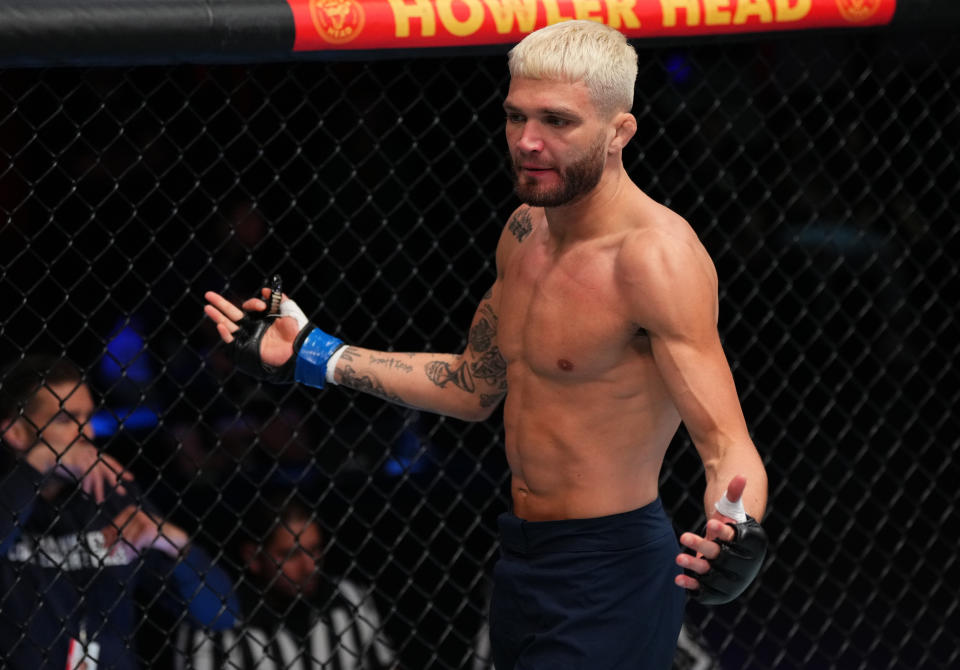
[[399, 24]]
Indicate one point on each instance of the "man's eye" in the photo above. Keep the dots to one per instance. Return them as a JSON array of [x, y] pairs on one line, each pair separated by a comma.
[[556, 122], [514, 118]]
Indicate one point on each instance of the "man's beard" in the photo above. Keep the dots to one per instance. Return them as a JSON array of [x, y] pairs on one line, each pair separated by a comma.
[[576, 180]]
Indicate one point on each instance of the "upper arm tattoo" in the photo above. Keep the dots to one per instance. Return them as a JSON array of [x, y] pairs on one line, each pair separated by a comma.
[[491, 368], [483, 332], [490, 365], [520, 224], [441, 374]]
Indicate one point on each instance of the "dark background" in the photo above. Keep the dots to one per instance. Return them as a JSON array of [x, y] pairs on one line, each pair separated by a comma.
[[820, 171]]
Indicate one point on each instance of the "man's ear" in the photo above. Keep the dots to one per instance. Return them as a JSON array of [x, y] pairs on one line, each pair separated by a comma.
[[625, 127], [16, 433]]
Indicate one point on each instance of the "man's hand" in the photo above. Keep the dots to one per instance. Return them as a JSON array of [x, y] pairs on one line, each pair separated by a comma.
[[134, 531], [82, 462], [729, 554], [276, 346]]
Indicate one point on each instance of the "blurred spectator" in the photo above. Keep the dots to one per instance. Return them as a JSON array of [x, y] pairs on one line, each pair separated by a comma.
[[294, 616], [76, 540]]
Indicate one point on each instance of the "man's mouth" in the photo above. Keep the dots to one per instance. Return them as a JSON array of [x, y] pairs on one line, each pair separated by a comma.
[[535, 170]]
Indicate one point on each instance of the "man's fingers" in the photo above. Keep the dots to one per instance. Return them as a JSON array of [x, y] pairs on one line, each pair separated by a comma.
[[103, 474], [225, 326], [223, 305], [224, 331], [697, 565], [115, 475], [735, 488], [119, 472], [718, 530], [706, 548], [255, 304], [691, 541], [97, 483], [219, 317], [702, 546]]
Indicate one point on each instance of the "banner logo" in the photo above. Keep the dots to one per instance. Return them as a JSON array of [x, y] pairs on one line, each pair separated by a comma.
[[856, 11], [337, 21]]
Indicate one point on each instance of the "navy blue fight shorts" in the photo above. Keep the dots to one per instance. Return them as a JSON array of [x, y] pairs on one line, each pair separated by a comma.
[[587, 594]]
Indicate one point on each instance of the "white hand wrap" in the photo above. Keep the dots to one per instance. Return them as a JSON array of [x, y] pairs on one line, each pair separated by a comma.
[[732, 510], [290, 308]]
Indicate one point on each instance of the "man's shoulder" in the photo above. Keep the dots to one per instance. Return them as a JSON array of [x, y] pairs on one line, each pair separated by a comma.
[[517, 230], [660, 237], [661, 257], [521, 223]]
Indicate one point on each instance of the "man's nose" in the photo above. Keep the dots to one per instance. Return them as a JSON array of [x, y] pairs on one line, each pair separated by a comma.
[[530, 139]]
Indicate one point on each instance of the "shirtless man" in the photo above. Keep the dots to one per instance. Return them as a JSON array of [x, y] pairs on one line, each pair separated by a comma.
[[601, 333]]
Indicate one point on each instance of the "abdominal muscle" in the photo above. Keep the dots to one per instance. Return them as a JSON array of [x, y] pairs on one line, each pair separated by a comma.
[[583, 450]]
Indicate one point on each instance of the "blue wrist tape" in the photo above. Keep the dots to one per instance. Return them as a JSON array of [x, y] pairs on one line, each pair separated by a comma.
[[313, 356]]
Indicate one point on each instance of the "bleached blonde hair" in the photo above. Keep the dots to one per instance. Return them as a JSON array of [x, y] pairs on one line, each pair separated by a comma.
[[581, 50]]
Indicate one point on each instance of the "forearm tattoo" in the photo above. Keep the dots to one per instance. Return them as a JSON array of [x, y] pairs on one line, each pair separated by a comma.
[[520, 224], [367, 384], [391, 363]]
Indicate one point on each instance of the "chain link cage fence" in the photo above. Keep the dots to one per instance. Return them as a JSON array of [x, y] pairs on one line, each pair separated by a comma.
[[821, 172]]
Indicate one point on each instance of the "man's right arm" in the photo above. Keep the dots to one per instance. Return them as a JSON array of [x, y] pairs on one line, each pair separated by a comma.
[[466, 386]]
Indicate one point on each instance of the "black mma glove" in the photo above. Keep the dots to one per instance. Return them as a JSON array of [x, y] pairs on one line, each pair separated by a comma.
[[312, 348], [735, 567]]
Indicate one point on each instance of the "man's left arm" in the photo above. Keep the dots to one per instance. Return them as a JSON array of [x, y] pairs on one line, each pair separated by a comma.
[[702, 387], [673, 289]]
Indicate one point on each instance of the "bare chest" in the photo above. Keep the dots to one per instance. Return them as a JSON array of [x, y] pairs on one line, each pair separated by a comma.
[[564, 316]]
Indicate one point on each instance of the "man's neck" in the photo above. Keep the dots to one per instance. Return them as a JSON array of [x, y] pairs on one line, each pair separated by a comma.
[[590, 216]]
